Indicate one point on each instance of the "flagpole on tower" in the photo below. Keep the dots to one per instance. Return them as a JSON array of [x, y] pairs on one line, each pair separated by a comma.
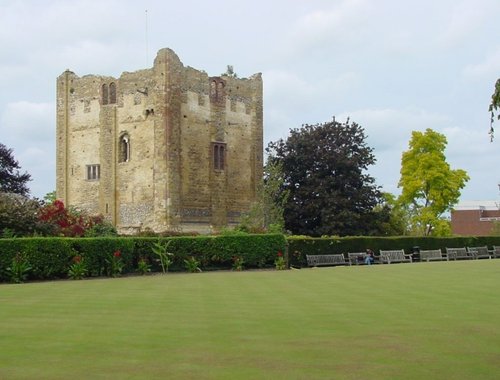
[[147, 42]]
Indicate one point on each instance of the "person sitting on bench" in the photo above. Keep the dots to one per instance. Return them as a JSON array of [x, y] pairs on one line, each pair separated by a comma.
[[369, 259]]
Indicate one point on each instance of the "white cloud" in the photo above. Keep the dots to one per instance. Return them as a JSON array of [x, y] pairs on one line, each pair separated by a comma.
[[390, 129], [286, 87], [462, 20], [39, 162], [488, 68], [334, 24], [29, 121]]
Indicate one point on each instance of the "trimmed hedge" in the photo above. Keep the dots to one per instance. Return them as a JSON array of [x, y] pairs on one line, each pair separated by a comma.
[[48, 258], [51, 258], [299, 247], [215, 252]]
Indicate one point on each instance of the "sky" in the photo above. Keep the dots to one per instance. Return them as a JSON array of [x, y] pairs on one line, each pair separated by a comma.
[[391, 66]]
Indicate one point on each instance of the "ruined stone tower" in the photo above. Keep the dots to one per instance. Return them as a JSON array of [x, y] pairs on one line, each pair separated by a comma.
[[164, 148]]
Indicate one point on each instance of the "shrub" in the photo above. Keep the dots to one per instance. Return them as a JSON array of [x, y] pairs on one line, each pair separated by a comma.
[[115, 264], [164, 257], [143, 266], [18, 215], [238, 263], [279, 262], [61, 221], [192, 265], [77, 270], [19, 268], [100, 228]]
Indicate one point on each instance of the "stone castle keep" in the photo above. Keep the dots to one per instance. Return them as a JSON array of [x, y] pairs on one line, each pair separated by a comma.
[[164, 148]]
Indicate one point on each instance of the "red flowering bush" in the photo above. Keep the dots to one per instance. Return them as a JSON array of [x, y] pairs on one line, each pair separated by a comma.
[[62, 221]]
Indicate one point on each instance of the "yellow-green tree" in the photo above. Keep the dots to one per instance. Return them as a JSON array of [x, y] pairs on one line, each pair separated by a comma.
[[429, 186]]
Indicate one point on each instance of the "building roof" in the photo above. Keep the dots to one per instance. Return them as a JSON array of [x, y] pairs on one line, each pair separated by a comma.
[[477, 205]]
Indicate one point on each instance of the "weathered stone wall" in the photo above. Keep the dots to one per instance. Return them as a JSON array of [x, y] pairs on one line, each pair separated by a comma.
[[171, 116], [135, 177]]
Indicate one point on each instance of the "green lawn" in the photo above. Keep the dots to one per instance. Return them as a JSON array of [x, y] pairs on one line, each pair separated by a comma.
[[401, 321]]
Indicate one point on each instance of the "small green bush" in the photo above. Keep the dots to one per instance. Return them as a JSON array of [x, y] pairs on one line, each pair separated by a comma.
[[192, 265], [18, 269], [78, 269]]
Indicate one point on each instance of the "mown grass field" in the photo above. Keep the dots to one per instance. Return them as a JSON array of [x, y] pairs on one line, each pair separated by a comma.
[[402, 321]]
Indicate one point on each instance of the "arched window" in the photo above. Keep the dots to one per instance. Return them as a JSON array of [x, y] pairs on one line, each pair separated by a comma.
[[219, 155], [124, 148], [217, 90], [104, 94], [108, 93], [213, 89], [220, 91], [112, 93]]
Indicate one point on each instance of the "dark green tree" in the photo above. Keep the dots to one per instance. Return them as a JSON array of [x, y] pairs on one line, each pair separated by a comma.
[[324, 172], [11, 180], [18, 215]]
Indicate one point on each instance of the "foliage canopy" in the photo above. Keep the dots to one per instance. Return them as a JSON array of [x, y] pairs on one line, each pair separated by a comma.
[[328, 191], [18, 215], [494, 107], [11, 180], [429, 186]]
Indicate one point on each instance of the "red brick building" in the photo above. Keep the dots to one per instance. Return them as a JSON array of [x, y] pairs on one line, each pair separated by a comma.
[[475, 218]]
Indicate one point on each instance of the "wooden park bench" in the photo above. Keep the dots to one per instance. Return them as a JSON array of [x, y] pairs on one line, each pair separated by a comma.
[[496, 251], [458, 253], [432, 254], [324, 260], [394, 256], [479, 252]]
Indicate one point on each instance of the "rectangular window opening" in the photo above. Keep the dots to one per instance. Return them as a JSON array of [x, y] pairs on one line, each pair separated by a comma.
[[93, 172]]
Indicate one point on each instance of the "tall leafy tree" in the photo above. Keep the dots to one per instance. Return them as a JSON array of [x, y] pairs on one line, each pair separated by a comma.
[[494, 107], [429, 186], [11, 180], [395, 218], [266, 214], [329, 192]]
